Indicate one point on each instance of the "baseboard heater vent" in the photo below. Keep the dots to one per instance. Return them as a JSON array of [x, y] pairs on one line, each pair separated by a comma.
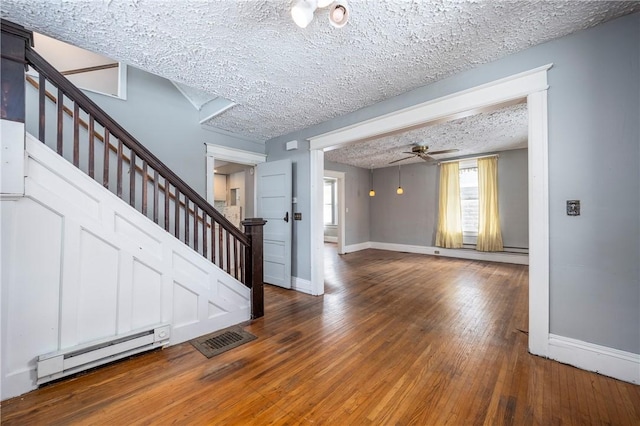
[[62, 363]]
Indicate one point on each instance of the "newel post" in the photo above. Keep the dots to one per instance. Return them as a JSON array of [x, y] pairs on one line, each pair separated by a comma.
[[15, 40], [254, 274]]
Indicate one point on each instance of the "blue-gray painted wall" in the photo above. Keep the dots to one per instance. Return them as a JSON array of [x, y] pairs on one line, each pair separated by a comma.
[[165, 122], [594, 156], [357, 227]]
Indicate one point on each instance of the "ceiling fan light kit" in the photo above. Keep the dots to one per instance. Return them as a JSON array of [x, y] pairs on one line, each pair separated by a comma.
[[302, 12], [399, 191], [423, 152]]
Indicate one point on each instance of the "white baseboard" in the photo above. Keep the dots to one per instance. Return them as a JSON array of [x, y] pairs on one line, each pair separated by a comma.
[[18, 383], [517, 258], [601, 359], [357, 247], [302, 285]]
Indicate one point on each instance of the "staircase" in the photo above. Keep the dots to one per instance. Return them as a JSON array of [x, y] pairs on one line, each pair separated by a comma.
[[101, 240]]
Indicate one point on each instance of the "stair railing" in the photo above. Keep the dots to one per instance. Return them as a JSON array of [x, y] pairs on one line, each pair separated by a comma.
[[94, 142]]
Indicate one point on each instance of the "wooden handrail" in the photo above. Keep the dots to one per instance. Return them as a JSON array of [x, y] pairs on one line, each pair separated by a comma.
[[90, 69], [50, 73], [112, 148]]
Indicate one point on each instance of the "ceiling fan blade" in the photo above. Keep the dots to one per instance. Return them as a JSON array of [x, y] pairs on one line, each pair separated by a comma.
[[446, 151], [402, 159], [412, 153]]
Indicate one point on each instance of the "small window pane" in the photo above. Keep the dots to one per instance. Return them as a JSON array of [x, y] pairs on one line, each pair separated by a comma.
[[469, 203], [329, 211]]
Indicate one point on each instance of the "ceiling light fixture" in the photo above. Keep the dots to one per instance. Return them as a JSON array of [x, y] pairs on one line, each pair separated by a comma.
[[339, 14], [372, 193], [399, 191], [303, 10]]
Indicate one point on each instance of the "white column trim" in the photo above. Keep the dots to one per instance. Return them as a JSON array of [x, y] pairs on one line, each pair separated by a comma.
[[316, 222], [538, 224]]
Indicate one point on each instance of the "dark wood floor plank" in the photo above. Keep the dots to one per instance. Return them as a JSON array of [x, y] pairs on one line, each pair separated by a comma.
[[398, 338]]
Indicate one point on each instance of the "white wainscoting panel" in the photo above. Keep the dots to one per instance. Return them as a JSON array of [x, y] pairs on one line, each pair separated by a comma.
[[79, 265]]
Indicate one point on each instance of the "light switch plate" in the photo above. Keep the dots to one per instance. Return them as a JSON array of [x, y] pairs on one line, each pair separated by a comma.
[[573, 207]]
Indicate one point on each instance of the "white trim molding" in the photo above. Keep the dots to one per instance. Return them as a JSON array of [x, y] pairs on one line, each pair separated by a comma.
[[502, 257], [233, 155], [447, 107], [316, 222], [12, 154], [357, 247], [531, 85], [302, 285], [538, 159], [601, 359]]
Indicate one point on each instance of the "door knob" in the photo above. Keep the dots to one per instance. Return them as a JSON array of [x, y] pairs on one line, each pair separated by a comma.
[[286, 217]]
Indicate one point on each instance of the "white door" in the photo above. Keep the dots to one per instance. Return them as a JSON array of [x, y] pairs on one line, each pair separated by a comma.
[[274, 205]]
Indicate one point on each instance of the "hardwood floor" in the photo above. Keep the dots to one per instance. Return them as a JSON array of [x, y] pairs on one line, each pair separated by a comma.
[[397, 339]]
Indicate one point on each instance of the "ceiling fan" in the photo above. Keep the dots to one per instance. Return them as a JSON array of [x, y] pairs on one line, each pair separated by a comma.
[[422, 151]]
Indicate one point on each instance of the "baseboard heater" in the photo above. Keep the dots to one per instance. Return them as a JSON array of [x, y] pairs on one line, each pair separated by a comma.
[[62, 363]]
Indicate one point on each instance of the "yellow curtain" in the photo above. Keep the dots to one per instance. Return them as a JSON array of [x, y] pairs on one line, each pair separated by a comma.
[[489, 234], [449, 233]]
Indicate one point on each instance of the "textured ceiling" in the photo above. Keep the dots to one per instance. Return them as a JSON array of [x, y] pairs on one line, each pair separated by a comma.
[[493, 131], [284, 78], [195, 96]]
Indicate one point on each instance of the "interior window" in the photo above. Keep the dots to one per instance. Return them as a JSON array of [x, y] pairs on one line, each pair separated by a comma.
[[329, 201], [469, 201]]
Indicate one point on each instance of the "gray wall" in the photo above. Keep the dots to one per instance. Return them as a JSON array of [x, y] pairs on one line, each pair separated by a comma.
[[513, 198], [164, 121], [412, 218], [409, 218], [356, 200], [249, 193], [594, 153]]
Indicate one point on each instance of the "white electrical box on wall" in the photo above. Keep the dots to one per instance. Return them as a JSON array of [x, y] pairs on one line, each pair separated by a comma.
[[292, 145]]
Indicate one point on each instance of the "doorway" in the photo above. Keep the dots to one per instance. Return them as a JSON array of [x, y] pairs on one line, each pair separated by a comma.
[[531, 85], [234, 191], [231, 181], [334, 208]]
